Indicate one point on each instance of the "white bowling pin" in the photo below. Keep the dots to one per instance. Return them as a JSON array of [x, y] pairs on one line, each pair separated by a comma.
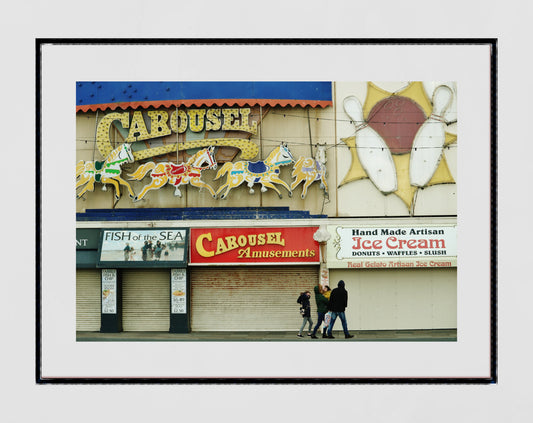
[[450, 113], [427, 146], [374, 154]]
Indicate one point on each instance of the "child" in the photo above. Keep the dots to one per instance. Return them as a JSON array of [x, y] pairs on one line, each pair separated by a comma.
[[305, 310]]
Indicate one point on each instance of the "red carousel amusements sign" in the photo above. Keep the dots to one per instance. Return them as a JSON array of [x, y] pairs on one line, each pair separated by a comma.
[[254, 246]]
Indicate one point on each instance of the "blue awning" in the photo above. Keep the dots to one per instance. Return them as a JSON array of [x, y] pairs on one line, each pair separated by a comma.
[[93, 95]]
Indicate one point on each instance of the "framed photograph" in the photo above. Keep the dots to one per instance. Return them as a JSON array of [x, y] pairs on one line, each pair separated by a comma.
[[212, 202]]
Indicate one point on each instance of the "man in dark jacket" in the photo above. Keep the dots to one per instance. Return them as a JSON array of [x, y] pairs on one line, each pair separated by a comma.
[[338, 301], [321, 308]]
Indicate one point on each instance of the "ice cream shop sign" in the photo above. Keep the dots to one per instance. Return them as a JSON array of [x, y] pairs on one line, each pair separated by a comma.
[[432, 246]]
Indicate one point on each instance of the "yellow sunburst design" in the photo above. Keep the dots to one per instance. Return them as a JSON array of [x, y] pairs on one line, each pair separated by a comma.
[[416, 92]]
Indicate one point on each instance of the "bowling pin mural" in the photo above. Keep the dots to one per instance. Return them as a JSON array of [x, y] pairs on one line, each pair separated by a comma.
[[426, 151], [373, 152], [450, 114]]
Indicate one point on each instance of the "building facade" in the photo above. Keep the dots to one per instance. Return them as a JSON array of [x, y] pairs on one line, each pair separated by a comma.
[[211, 206]]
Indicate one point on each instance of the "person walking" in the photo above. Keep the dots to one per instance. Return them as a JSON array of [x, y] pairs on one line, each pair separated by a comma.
[[338, 302], [321, 309], [327, 318], [305, 311]]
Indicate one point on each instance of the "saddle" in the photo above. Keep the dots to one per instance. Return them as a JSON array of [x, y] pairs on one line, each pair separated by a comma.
[[257, 167], [179, 171], [176, 169], [98, 165]]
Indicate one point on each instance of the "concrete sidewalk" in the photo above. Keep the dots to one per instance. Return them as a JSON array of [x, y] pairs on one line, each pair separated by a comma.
[[435, 335]]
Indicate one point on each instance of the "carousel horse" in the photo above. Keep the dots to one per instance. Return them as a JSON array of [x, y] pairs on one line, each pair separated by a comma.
[[311, 170], [105, 172], [264, 172], [177, 174]]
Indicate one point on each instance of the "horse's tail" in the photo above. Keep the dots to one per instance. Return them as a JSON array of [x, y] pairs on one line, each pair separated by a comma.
[[223, 170], [80, 167], [141, 171], [297, 168]]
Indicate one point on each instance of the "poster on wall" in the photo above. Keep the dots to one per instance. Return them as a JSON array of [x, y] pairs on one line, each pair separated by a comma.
[[143, 248], [324, 275], [109, 291], [178, 283]]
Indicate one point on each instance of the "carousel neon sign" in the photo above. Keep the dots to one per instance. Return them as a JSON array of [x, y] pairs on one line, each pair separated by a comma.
[[159, 124]]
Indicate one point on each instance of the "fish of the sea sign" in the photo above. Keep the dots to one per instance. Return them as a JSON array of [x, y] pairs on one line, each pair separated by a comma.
[[140, 247]]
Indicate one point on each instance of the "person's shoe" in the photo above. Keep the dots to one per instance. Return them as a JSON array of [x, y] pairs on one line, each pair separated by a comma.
[[324, 335], [314, 336], [309, 333], [299, 335], [348, 336], [331, 337]]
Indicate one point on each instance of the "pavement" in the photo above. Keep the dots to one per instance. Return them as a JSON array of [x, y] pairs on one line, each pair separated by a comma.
[[434, 335]]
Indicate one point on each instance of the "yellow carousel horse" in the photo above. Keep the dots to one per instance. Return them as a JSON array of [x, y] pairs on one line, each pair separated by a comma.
[[105, 172], [264, 172], [177, 174], [310, 170]]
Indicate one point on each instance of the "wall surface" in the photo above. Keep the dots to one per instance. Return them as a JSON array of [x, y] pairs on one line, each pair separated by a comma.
[[379, 298]]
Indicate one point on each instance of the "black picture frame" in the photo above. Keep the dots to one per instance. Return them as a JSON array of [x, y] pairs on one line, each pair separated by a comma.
[[492, 378]]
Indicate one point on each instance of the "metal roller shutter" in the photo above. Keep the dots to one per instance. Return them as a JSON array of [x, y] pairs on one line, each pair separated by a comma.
[[385, 299], [88, 300], [146, 300], [251, 298]]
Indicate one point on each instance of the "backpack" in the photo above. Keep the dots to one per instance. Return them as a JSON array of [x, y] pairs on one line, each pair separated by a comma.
[[302, 308]]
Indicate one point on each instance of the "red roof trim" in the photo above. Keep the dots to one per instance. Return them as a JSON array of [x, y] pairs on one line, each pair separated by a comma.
[[199, 103]]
